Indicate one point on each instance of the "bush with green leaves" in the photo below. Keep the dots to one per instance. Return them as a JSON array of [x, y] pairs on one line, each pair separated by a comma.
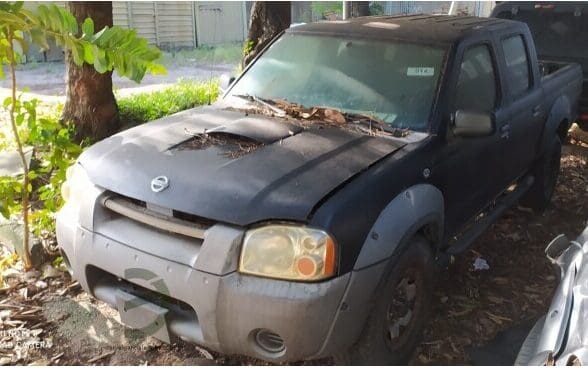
[[324, 8], [54, 152], [144, 107], [112, 48]]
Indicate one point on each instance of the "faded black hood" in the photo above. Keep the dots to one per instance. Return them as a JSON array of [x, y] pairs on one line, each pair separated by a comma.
[[283, 179]]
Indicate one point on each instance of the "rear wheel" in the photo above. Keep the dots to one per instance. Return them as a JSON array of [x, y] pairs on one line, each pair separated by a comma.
[[546, 172], [401, 309]]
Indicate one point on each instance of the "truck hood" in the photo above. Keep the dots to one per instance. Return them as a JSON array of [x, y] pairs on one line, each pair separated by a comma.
[[283, 179]]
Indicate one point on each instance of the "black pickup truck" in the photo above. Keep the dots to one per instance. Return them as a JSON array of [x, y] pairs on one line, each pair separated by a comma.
[[303, 214], [560, 31]]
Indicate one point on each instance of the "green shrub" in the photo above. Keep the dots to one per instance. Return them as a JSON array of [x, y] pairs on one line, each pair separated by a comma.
[[144, 107], [54, 152]]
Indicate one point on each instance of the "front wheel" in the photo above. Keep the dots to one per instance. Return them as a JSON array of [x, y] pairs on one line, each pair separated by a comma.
[[401, 309], [545, 172]]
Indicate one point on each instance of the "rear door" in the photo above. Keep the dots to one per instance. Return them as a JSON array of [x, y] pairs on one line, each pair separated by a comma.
[[524, 104], [560, 33]]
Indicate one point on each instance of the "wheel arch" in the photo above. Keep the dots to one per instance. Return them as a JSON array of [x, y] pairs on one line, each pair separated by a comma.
[[416, 210], [558, 121]]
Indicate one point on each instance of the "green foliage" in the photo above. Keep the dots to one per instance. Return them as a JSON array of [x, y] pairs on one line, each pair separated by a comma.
[[323, 8], [54, 153], [108, 49], [10, 193], [145, 107], [376, 9], [112, 48], [248, 47]]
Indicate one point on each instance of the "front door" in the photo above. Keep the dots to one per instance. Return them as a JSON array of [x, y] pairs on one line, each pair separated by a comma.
[[472, 166]]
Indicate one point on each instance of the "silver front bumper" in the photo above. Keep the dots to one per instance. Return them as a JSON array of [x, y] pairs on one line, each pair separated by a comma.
[[217, 307]]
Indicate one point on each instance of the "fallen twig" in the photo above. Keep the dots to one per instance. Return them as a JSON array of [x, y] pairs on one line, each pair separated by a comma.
[[100, 357]]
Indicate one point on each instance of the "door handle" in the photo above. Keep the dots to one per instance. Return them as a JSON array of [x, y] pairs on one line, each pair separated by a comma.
[[505, 131], [537, 111]]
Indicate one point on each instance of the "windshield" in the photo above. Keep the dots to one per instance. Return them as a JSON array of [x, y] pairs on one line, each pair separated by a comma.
[[395, 82]]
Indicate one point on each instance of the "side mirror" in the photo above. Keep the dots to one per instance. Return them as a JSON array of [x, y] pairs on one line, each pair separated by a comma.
[[225, 82], [473, 124]]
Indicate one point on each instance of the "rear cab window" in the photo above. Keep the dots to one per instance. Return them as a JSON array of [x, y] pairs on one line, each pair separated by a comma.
[[560, 32]]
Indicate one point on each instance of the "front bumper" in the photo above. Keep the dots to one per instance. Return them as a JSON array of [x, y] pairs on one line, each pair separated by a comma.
[[208, 302]]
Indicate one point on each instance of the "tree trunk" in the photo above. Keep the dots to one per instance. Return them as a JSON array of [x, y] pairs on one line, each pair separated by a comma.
[[268, 19], [90, 103]]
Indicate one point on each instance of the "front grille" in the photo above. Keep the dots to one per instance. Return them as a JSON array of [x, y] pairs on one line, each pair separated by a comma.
[[178, 223]]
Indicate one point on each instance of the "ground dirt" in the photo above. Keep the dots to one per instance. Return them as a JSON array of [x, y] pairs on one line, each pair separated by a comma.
[[470, 307]]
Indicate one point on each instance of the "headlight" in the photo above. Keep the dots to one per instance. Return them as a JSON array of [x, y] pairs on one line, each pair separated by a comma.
[[288, 252], [75, 185]]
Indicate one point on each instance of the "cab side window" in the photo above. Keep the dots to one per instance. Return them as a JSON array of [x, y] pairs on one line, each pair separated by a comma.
[[476, 86], [517, 65]]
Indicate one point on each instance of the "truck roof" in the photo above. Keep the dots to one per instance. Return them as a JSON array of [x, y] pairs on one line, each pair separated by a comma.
[[420, 28]]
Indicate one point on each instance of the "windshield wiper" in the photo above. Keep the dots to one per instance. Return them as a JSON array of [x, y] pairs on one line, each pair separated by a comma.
[[373, 122], [263, 102]]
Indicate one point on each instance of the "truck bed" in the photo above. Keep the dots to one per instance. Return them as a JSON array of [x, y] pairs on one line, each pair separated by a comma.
[[561, 79], [548, 67]]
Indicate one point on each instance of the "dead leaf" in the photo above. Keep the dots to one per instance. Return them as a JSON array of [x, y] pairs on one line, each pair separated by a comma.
[[495, 299], [43, 362], [497, 317], [334, 116], [204, 352]]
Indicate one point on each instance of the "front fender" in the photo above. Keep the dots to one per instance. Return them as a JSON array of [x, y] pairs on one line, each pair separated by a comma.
[[404, 215], [413, 208]]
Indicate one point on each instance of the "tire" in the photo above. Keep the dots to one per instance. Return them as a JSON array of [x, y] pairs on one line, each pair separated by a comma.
[[546, 172], [412, 274]]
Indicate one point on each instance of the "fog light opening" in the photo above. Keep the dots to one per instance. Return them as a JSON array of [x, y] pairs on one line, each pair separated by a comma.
[[269, 341]]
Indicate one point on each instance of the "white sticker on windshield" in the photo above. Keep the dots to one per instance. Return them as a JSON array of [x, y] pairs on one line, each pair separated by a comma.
[[420, 71]]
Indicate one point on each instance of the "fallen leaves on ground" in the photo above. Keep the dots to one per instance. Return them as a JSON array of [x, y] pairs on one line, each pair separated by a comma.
[[471, 308]]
